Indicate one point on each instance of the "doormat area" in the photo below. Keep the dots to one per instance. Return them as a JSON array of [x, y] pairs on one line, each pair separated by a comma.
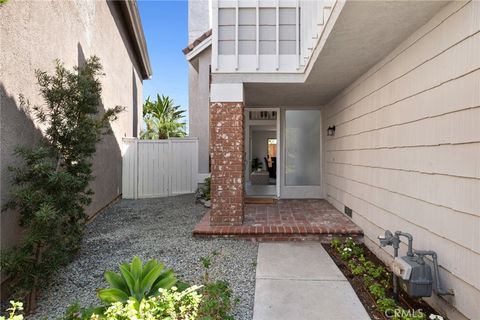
[[250, 200]]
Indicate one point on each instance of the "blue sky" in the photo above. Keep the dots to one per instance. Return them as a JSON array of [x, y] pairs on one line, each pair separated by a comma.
[[165, 24]]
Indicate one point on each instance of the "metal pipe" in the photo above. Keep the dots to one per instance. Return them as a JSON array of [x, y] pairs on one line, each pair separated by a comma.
[[439, 289], [410, 241], [393, 240], [395, 279]]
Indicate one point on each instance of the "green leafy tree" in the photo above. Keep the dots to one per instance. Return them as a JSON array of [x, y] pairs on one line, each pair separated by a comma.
[[51, 188], [163, 119]]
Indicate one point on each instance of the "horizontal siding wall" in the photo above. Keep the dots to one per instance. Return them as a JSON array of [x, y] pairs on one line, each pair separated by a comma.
[[406, 151]]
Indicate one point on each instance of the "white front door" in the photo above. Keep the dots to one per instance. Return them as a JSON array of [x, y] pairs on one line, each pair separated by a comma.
[[301, 153]]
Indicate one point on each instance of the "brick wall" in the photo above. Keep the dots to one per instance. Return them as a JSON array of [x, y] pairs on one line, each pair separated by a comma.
[[227, 158]]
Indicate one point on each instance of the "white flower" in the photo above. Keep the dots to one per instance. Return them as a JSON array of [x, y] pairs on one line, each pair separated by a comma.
[[435, 317]]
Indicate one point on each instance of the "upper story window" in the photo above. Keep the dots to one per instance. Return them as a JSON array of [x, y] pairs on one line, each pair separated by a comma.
[[268, 30], [247, 31], [287, 25], [266, 35], [226, 31]]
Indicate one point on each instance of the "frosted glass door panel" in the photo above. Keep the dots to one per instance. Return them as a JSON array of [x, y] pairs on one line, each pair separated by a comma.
[[302, 147]]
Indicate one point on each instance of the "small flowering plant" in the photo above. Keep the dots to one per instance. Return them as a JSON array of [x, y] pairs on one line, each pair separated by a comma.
[[348, 249], [435, 317], [346, 253]]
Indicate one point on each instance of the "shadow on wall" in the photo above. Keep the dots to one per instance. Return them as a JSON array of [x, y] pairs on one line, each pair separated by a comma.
[[134, 104], [107, 161], [124, 33], [18, 129], [134, 56], [80, 56]]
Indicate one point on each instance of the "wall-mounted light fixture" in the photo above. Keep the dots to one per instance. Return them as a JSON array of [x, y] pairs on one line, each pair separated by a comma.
[[331, 131]]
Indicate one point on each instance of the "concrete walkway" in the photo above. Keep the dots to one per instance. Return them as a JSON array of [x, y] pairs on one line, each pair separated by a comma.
[[299, 280]]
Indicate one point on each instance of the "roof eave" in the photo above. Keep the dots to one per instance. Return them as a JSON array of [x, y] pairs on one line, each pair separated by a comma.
[[134, 24], [199, 48]]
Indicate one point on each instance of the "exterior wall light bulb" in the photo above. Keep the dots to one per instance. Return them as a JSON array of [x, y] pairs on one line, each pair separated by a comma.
[[331, 131]]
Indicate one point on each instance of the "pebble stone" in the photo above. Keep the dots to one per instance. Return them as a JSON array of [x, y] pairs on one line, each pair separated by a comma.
[[151, 229]]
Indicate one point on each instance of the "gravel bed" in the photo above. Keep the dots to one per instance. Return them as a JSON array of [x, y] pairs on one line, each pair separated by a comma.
[[150, 228]]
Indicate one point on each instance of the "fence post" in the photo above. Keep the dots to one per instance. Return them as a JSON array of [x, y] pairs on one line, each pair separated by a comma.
[[135, 188], [169, 166]]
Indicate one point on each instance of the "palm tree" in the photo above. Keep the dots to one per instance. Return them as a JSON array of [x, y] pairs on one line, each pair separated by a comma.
[[163, 119]]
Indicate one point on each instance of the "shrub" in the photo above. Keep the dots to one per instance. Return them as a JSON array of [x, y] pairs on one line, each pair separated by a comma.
[[336, 244], [136, 281], [217, 302], [207, 188], [385, 304], [51, 189], [377, 291], [346, 253], [76, 312], [212, 301], [356, 268], [12, 311], [168, 304], [204, 192]]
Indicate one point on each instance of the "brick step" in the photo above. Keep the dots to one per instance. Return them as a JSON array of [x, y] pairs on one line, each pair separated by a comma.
[[284, 232], [323, 238]]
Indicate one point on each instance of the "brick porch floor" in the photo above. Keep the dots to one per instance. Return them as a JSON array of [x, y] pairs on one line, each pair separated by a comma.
[[306, 219]]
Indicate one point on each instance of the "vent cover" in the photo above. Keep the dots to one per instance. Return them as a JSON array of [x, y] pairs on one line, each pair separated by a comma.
[[348, 211]]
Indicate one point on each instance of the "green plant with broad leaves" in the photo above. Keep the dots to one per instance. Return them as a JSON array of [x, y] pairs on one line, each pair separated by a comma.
[[163, 119], [136, 281], [144, 293]]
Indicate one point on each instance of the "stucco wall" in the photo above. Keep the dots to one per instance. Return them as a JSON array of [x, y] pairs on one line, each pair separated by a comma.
[[406, 151], [34, 33], [198, 104], [198, 18]]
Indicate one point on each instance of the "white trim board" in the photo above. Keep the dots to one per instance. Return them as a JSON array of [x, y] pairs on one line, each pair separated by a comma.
[[198, 49], [202, 176]]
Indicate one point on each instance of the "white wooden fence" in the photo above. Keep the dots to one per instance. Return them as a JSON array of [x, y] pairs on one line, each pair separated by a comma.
[[159, 168]]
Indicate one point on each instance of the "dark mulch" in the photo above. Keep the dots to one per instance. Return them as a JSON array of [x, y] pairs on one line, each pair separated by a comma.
[[363, 293]]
